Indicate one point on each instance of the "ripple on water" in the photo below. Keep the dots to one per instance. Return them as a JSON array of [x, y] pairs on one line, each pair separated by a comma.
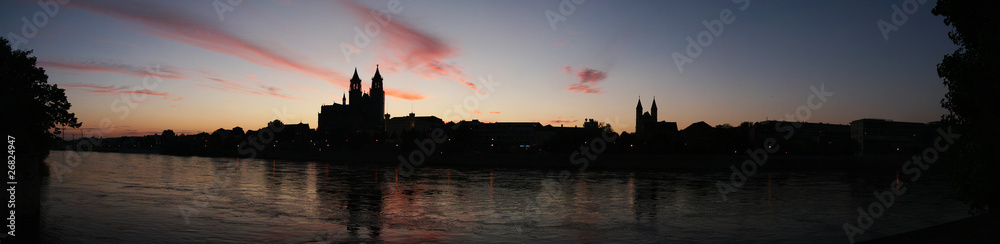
[[308, 202]]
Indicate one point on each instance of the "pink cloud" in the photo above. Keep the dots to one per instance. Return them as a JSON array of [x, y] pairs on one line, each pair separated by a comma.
[[404, 95], [589, 78], [93, 88], [494, 112], [439, 68], [561, 121], [410, 48], [174, 24], [67, 73], [238, 86], [476, 112], [112, 67]]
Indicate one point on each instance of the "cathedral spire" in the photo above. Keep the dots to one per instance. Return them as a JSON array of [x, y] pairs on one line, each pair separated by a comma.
[[355, 91], [377, 75], [639, 105], [355, 75], [652, 110]]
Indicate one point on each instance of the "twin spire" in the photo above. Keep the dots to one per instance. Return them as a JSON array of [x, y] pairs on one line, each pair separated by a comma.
[[355, 87], [639, 105], [377, 75]]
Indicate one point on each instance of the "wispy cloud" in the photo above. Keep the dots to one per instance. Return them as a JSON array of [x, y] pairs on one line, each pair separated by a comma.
[[174, 24], [494, 112], [238, 86], [589, 78], [408, 47], [111, 67], [404, 95], [253, 77], [100, 89], [562, 121]]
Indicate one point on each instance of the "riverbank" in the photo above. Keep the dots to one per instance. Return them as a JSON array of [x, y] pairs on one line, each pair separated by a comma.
[[600, 162]]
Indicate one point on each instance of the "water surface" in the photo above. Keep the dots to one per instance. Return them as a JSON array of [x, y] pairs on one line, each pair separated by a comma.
[[129, 198]]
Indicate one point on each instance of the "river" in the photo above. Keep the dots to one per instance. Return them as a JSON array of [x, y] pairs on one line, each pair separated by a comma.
[[138, 198]]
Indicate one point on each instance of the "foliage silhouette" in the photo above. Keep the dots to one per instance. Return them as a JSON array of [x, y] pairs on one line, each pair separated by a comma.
[[34, 110], [970, 73]]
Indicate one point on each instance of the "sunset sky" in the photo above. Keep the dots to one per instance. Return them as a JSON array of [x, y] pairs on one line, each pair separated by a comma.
[[258, 59]]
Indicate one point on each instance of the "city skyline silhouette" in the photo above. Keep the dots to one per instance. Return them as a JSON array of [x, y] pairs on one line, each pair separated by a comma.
[[224, 69]]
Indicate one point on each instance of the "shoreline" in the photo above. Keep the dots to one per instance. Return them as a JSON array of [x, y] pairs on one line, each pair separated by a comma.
[[601, 162]]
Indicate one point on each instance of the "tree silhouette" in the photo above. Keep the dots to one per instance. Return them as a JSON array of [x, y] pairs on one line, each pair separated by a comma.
[[970, 73], [33, 110]]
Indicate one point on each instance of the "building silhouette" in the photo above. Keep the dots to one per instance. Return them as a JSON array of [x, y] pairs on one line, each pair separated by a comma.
[[396, 127], [881, 136], [366, 111], [647, 123], [803, 137], [503, 137]]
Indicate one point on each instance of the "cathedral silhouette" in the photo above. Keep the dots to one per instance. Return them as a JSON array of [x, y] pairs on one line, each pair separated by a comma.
[[366, 111], [646, 123]]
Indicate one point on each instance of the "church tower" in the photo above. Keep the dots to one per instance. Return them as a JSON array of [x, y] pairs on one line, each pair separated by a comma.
[[377, 95], [638, 116], [355, 92], [653, 110]]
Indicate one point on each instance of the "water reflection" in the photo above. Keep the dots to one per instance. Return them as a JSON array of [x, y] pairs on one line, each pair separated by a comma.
[[644, 205], [361, 199], [281, 201]]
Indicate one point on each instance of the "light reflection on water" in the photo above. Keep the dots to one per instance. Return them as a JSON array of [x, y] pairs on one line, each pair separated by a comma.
[[113, 197]]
